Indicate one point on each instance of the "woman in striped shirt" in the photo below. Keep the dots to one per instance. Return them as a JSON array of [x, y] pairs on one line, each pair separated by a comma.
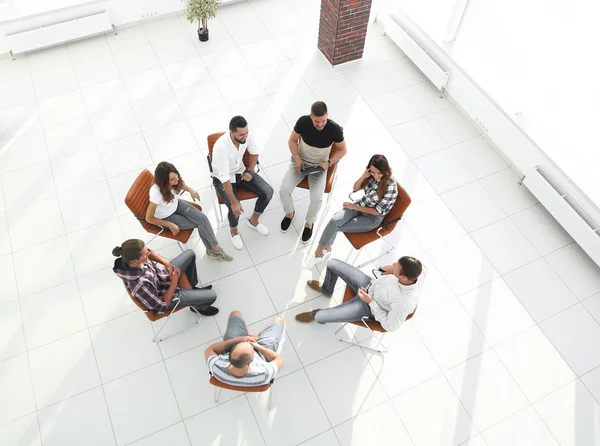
[[367, 213]]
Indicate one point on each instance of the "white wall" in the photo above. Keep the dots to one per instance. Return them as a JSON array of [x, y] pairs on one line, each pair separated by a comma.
[[537, 58]]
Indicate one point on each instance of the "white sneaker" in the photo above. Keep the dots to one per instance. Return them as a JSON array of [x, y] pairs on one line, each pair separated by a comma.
[[260, 228], [310, 263], [236, 241]]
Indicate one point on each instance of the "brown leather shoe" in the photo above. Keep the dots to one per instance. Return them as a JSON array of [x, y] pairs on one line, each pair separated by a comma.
[[316, 285], [305, 318]]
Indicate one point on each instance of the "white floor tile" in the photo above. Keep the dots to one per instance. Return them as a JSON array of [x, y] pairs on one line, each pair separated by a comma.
[[263, 53], [127, 38], [11, 69], [209, 123], [496, 311], [294, 102], [52, 314], [170, 141], [134, 60], [23, 432], [97, 69], [16, 91], [534, 363], [380, 425], [11, 331], [574, 333], [239, 87], [571, 414], [19, 119], [426, 98], [540, 290], [413, 181], [592, 304], [114, 124], [77, 170], [104, 297], [278, 76], [87, 206], [382, 48], [432, 223], [345, 391], [542, 230], [147, 83], [220, 40], [193, 168], [131, 405], [592, 382], [225, 63], [22, 151], [53, 81], [481, 158], [61, 108], [104, 96], [163, 29], [214, 426], [433, 415], [48, 273], [186, 73], [198, 99], [9, 287], [281, 425], [89, 48], [335, 91], [49, 57], [417, 138], [175, 435], [453, 126], [28, 185], [124, 155], [504, 188], [327, 438], [487, 391], [505, 246], [473, 206], [15, 386], [173, 50], [393, 108], [522, 429], [403, 72], [434, 325], [82, 419], [576, 269], [313, 65], [157, 111], [444, 170], [124, 345], [261, 113], [63, 369], [252, 31], [5, 247], [371, 81], [68, 137]]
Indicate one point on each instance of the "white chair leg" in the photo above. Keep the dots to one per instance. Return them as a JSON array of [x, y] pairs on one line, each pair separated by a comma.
[[270, 399], [389, 249], [380, 348], [217, 391], [155, 235], [157, 339]]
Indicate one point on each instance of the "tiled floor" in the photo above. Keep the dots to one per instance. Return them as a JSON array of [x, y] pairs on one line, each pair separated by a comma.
[[504, 347]]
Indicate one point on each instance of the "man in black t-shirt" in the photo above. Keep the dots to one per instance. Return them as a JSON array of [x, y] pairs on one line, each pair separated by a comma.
[[316, 144]]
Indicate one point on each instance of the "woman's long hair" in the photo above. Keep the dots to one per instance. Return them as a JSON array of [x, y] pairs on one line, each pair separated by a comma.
[[161, 179], [380, 162]]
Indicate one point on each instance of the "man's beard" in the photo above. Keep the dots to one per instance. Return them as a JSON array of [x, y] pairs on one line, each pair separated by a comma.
[[240, 141]]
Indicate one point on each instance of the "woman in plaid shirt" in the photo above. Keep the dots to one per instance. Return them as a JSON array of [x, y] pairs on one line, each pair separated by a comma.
[[365, 214]]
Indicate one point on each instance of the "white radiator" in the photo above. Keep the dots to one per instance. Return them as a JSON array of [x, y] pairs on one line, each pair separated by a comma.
[[58, 32], [584, 230], [420, 57]]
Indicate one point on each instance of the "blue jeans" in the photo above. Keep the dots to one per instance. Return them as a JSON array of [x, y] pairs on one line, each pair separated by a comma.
[[257, 185], [352, 310], [348, 220]]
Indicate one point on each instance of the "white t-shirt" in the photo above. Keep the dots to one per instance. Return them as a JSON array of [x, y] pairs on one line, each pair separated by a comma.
[[227, 160], [163, 209]]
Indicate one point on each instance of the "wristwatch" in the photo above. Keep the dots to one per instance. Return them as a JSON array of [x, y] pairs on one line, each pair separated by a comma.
[[330, 163]]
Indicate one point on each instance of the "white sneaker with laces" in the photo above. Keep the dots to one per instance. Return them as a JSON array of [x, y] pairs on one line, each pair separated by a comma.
[[260, 228], [236, 241], [310, 263]]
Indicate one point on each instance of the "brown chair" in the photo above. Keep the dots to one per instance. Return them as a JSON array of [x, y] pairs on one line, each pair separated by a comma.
[[219, 385], [372, 326], [241, 193], [360, 240], [183, 282], [137, 200]]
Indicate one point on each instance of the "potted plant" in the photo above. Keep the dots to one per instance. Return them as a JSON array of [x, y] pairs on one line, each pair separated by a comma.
[[200, 11]]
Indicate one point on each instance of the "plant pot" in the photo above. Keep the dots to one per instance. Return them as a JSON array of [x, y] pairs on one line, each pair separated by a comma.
[[203, 34]]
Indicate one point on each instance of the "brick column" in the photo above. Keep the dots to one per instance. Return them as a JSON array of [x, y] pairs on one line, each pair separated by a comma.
[[343, 29]]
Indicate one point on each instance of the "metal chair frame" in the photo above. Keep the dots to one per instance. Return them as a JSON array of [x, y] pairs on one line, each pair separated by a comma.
[[242, 389], [157, 339]]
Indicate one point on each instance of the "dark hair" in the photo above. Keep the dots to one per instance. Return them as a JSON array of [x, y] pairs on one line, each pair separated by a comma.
[[240, 361], [161, 179], [130, 250], [318, 109], [237, 122], [411, 267], [380, 162]]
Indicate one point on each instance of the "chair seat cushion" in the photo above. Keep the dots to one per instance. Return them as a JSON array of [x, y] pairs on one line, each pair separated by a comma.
[[215, 382]]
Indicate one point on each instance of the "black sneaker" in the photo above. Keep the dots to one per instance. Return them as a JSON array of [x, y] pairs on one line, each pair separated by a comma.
[[207, 287], [208, 311], [307, 234], [286, 222]]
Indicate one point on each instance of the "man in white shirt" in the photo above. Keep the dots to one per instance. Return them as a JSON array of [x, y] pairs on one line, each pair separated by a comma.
[[388, 299], [229, 173]]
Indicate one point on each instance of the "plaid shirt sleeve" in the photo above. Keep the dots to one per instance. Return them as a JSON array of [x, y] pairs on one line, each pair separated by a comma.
[[389, 198], [146, 294]]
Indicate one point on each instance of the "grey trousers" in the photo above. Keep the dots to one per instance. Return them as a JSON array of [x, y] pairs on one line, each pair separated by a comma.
[[188, 217], [200, 299], [348, 220], [354, 309], [316, 183]]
